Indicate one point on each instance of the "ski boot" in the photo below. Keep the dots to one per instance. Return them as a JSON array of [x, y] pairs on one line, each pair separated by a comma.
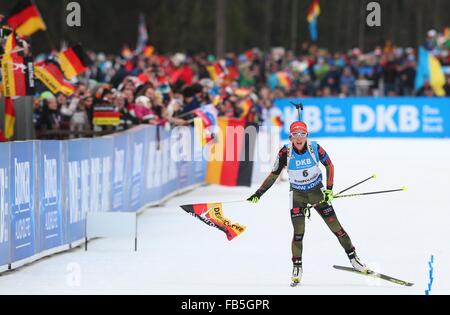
[[297, 272], [356, 263]]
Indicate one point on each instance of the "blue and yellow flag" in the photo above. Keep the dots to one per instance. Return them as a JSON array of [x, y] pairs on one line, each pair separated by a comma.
[[429, 69]]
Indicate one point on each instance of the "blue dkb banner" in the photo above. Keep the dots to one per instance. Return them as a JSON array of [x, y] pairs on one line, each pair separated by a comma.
[[47, 187], [101, 174], [180, 151], [169, 165], [77, 186], [152, 190], [138, 139], [50, 192], [199, 162], [22, 167], [370, 117], [4, 203], [119, 175]]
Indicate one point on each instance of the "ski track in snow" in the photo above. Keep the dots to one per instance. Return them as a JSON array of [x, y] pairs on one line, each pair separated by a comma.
[[178, 254]]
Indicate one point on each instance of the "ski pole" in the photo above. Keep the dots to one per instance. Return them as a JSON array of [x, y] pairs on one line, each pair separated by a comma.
[[371, 193], [359, 183], [234, 201], [308, 208]]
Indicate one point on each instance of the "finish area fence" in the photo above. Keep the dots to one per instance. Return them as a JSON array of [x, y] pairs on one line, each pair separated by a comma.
[[48, 186]]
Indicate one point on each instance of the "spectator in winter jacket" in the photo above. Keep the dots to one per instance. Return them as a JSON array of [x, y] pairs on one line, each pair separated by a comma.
[[80, 119], [143, 109], [51, 116]]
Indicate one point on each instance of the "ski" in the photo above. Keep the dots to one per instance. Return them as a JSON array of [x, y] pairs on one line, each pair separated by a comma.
[[295, 283], [374, 274]]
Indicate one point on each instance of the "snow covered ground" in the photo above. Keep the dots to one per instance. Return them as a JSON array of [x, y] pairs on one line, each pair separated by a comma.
[[394, 233]]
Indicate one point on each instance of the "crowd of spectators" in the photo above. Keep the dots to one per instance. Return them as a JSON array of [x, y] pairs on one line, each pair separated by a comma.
[[160, 89]]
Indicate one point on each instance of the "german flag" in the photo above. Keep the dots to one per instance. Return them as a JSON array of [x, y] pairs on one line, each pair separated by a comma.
[[245, 106], [17, 71], [73, 61], [211, 214], [231, 157], [10, 117], [217, 70], [5, 31], [10, 44], [284, 80], [25, 18], [67, 88], [49, 73], [105, 115], [276, 121]]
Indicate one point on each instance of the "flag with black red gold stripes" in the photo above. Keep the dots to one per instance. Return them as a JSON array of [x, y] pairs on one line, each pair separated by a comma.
[[17, 71], [211, 214], [25, 18], [73, 61], [10, 117], [106, 115], [49, 73], [231, 156]]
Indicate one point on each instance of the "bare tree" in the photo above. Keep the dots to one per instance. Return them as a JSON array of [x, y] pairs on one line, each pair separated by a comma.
[[220, 28], [294, 24], [268, 23], [419, 18]]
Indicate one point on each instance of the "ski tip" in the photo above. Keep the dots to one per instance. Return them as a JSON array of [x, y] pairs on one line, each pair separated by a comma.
[[403, 188], [374, 175]]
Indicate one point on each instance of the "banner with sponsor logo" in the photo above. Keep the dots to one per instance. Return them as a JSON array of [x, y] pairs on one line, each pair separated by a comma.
[[77, 186], [101, 174], [181, 152], [50, 192], [152, 170], [135, 181], [163, 163], [47, 187], [370, 117], [119, 175], [169, 165], [4, 203], [22, 168], [198, 172]]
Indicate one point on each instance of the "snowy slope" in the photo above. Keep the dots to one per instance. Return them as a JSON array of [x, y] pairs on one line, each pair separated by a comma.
[[394, 233]]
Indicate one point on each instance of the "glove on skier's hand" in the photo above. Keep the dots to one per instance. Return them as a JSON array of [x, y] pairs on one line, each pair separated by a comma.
[[253, 198], [327, 195]]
